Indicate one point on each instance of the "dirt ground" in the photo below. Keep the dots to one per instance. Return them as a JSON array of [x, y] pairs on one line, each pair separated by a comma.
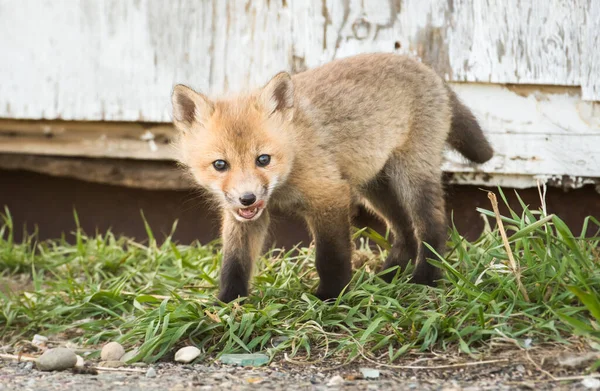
[[513, 372]]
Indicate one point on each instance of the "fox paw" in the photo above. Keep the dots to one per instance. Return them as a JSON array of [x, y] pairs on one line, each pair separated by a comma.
[[229, 296], [327, 295]]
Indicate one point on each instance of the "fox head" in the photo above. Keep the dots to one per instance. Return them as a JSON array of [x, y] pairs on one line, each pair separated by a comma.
[[239, 149]]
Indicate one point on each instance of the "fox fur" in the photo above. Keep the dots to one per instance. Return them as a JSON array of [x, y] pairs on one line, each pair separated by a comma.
[[369, 128]]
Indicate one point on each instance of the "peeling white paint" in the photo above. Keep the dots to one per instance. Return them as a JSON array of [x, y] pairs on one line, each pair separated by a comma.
[[147, 136], [118, 61], [533, 132]]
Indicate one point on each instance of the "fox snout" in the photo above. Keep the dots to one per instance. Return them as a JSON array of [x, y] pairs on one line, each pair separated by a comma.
[[248, 199], [247, 205]]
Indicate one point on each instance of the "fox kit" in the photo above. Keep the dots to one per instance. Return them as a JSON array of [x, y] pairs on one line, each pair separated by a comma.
[[368, 128]]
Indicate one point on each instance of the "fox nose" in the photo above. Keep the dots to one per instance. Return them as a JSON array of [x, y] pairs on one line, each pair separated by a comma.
[[247, 199]]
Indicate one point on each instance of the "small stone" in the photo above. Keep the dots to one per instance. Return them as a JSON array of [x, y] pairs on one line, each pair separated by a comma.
[[369, 373], [187, 354], [139, 364], [521, 368], [335, 381], [80, 362], [56, 359], [112, 364], [245, 360], [127, 357], [218, 375], [151, 372], [112, 351], [73, 346], [577, 361], [591, 383], [279, 340], [27, 366], [39, 341]]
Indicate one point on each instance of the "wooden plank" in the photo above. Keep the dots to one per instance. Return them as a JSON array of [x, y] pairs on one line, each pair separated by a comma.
[[516, 109], [590, 85], [518, 41], [536, 155], [165, 175], [127, 140], [118, 60], [150, 175], [537, 132]]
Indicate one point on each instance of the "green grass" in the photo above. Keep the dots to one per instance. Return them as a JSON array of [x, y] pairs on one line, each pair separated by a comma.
[[158, 296]]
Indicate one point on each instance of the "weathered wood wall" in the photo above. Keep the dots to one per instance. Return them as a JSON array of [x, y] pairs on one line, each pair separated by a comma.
[[115, 60]]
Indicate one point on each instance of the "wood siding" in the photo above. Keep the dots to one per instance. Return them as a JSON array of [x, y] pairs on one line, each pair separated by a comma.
[[530, 69]]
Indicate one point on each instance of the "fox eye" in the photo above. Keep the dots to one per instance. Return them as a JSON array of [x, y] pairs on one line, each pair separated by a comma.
[[220, 165], [263, 160]]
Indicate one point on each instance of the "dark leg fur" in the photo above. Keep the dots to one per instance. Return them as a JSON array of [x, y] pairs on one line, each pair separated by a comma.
[[331, 231], [383, 198], [242, 244], [430, 218], [409, 205], [234, 277]]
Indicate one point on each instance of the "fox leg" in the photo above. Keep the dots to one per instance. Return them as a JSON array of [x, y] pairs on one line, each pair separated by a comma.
[[382, 196], [412, 204], [242, 245], [329, 222], [429, 217]]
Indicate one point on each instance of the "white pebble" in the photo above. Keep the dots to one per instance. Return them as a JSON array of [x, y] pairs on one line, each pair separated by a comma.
[[112, 351], [337, 380], [151, 372], [187, 354], [80, 362], [39, 341], [591, 383], [369, 373]]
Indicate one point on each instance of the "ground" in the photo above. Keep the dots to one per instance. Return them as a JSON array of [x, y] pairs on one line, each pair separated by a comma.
[[509, 370], [519, 308]]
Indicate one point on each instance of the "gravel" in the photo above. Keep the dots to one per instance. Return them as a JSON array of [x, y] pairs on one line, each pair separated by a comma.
[[151, 372], [281, 376]]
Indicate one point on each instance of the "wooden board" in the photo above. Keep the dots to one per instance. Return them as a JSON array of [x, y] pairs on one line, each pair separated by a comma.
[[118, 60], [127, 140], [142, 174], [537, 132]]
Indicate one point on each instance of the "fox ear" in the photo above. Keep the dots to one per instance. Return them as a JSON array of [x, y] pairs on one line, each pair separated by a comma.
[[278, 94], [189, 107]]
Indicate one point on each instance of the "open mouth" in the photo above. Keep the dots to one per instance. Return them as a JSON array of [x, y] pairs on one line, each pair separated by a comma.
[[252, 211]]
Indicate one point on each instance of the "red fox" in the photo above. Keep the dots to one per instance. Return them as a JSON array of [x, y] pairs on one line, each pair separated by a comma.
[[368, 128]]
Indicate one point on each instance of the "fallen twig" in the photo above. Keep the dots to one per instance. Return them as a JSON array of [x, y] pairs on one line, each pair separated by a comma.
[[578, 377], [542, 192], [16, 358], [28, 358], [106, 369], [447, 366], [513, 264], [538, 367]]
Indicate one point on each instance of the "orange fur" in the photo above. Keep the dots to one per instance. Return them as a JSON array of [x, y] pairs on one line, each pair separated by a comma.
[[369, 127]]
